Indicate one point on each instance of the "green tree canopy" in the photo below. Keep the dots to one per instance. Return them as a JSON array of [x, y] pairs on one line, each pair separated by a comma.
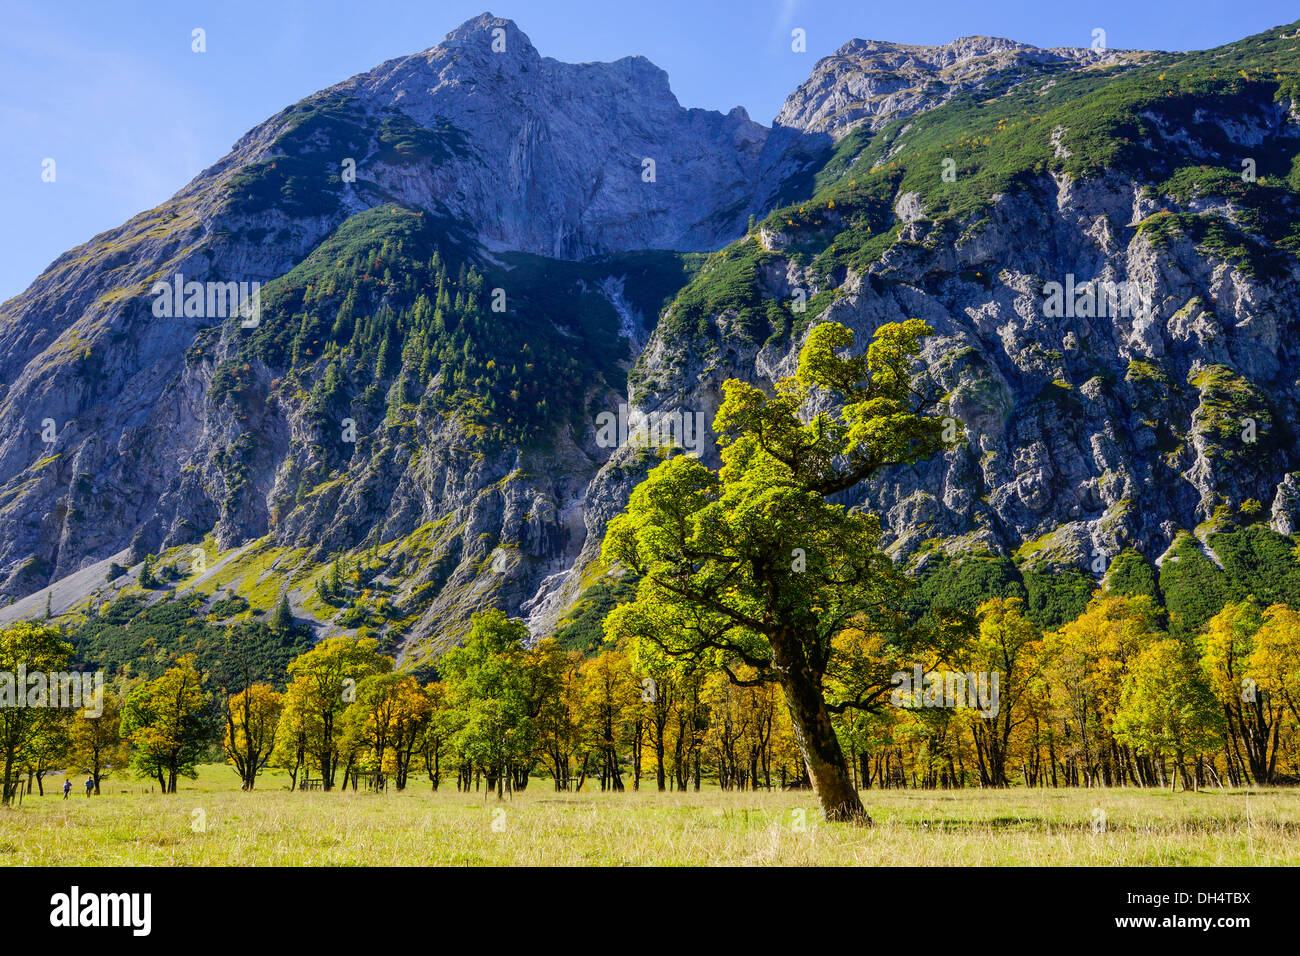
[[752, 570], [170, 723], [488, 693], [35, 647]]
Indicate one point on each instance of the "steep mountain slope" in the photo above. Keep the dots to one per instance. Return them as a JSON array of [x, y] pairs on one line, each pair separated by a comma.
[[410, 430], [549, 161], [1086, 429]]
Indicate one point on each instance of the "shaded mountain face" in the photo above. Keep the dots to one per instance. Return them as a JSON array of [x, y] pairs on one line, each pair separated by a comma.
[[503, 149], [470, 259]]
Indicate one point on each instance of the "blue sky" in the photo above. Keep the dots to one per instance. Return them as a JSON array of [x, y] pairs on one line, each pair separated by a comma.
[[113, 93]]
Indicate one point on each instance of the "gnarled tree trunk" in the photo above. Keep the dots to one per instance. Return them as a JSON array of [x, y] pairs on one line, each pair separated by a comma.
[[822, 754]]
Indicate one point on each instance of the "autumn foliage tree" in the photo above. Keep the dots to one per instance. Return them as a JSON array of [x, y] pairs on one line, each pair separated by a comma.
[[1167, 706], [1275, 658], [559, 726], [1008, 644], [169, 722], [323, 684], [252, 718], [36, 647], [386, 723], [752, 568], [609, 694], [1253, 716], [96, 746]]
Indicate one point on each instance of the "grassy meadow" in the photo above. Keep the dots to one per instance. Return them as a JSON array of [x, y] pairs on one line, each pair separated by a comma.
[[211, 823]]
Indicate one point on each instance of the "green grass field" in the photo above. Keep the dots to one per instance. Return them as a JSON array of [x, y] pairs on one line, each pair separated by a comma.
[[211, 823]]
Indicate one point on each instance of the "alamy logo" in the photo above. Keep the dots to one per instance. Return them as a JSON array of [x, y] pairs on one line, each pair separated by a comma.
[[208, 300], [1096, 299], [660, 430], [73, 909], [918, 688], [66, 690]]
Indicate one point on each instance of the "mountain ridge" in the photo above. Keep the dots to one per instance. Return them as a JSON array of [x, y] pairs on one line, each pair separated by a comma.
[[459, 493]]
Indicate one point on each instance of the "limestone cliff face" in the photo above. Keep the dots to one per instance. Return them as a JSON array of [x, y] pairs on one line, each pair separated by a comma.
[[1084, 432], [872, 82], [560, 153], [520, 152]]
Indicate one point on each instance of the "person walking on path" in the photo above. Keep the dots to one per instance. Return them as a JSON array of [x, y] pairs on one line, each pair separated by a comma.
[[67, 788]]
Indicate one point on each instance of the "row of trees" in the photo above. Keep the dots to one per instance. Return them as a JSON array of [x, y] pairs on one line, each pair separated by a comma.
[[1109, 699], [503, 713], [37, 739]]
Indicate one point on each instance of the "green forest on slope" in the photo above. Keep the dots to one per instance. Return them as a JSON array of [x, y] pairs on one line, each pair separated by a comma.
[[380, 324], [1123, 119]]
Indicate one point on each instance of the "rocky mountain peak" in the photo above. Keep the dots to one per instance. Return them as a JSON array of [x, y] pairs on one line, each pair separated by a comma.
[[875, 81], [477, 35], [487, 48], [563, 159], [885, 53]]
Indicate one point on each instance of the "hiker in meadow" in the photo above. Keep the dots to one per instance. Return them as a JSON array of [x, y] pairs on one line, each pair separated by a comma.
[[90, 785], [67, 788]]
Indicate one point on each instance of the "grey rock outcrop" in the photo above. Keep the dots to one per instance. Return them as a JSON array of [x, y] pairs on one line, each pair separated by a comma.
[[872, 82]]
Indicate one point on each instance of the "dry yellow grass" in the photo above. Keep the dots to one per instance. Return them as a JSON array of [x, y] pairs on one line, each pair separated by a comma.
[[211, 823]]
